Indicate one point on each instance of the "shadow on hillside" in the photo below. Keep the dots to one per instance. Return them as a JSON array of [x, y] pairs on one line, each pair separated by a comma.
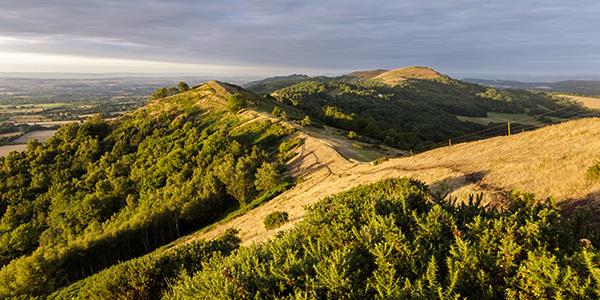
[[306, 162], [589, 204], [453, 183]]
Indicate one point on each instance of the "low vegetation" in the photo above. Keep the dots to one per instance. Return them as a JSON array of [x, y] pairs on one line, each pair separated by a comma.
[[275, 219], [394, 240], [593, 172]]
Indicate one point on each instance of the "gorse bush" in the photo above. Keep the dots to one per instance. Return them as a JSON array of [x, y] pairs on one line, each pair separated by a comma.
[[393, 240], [275, 219], [593, 172]]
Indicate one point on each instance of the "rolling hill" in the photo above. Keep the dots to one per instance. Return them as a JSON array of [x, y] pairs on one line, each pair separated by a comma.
[[414, 107], [548, 161], [151, 186], [393, 77]]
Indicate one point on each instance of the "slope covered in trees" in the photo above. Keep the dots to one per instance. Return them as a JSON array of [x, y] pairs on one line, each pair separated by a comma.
[[412, 107], [102, 192]]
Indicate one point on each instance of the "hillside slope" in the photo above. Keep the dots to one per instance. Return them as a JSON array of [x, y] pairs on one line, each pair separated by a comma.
[[102, 192], [551, 161], [395, 76]]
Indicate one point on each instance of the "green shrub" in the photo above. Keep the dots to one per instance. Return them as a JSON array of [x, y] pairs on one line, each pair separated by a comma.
[[306, 121], [236, 102], [275, 219], [276, 112], [352, 135], [267, 177], [593, 172], [394, 240], [380, 160]]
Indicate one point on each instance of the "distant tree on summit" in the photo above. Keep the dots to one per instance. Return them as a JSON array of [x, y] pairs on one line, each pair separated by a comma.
[[163, 92], [183, 86]]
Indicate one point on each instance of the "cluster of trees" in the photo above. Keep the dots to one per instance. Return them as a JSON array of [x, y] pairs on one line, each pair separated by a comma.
[[101, 192], [170, 91], [395, 240], [413, 113], [373, 111]]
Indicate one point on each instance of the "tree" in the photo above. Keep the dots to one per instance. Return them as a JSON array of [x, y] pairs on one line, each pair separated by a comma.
[[352, 135], [163, 92], [276, 112], [306, 121], [183, 86], [235, 103], [267, 177]]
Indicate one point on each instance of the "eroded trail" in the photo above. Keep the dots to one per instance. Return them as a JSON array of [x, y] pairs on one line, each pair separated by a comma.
[[551, 161]]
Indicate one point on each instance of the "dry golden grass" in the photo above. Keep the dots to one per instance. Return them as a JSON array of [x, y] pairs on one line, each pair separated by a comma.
[[589, 102], [551, 161], [396, 76], [4, 150]]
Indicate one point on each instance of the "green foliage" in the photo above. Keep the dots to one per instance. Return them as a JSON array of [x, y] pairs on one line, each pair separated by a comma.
[[352, 135], [268, 85], [101, 192], [593, 172], [380, 160], [147, 277], [414, 113], [267, 177], [305, 121], [275, 219], [236, 102], [183, 86], [394, 240], [163, 93], [276, 112]]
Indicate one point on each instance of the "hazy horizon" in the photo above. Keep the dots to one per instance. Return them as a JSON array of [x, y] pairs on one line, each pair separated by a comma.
[[266, 38]]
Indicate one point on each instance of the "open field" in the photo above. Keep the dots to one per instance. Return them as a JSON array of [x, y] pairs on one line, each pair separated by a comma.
[[493, 117], [4, 150], [20, 143], [589, 102], [9, 134], [550, 161], [40, 135]]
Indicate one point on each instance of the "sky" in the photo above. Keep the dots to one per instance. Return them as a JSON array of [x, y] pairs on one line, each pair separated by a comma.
[[254, 37]]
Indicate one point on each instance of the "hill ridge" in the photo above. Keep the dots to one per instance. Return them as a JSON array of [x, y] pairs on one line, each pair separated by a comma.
[[531, 161], [395, 76]]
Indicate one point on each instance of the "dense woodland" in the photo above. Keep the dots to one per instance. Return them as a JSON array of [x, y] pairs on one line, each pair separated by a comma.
[[412, 114], [102, 192]]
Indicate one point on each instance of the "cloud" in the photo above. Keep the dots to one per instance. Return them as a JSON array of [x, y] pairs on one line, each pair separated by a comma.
[[452, 35]]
